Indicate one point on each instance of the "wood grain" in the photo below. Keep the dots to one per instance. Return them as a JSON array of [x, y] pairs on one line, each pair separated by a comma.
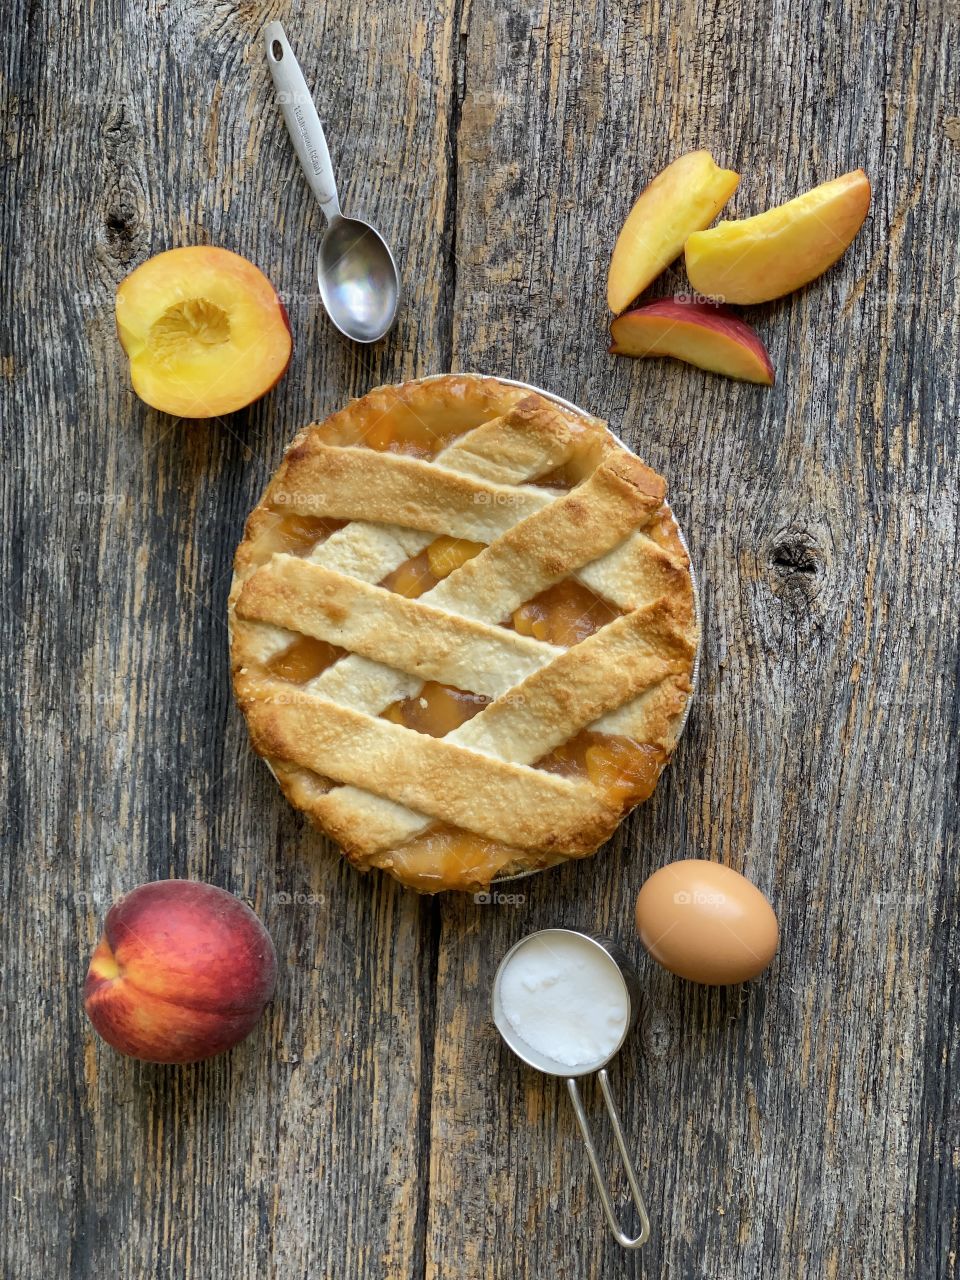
[[805, 1124], [374, 1125], [131, 134]]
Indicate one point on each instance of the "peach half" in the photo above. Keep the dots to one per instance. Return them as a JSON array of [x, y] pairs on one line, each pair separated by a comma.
[[700, 333], [684, 198], [760, 258], [204, 330]]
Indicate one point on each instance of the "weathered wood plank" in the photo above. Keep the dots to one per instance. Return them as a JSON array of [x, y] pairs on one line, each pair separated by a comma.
[[804, 1125], [299, 1153], [809, 1124]]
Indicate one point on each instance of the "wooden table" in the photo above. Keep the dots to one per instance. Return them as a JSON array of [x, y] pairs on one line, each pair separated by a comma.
[[806, 1125]]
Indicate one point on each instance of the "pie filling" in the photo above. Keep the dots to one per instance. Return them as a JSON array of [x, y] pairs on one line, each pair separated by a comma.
[[293, 534], [422, 572], [419, 432], [436, 709], [564, 614], [304, 659], [625, 771]]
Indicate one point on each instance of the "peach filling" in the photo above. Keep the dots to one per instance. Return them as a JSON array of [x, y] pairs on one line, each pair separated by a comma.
[[625, 771], [565, 477], [415, 425], [304, 659], [421, 573], [564, 614], [437, 709], [446, 857], [295, 535], [388, 436]]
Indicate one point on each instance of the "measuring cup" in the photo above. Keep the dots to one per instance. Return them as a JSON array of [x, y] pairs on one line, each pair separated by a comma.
[[622, 970]]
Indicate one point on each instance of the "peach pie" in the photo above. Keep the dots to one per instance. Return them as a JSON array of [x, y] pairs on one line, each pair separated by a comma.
[[463, 630]]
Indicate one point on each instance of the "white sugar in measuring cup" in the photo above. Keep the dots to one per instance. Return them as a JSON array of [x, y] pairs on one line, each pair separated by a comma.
[[604, 971]]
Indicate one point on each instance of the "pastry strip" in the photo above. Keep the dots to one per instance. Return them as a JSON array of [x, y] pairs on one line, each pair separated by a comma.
[[408, 635], [530, 557], [359, 484], [635, 653], [503, 801]]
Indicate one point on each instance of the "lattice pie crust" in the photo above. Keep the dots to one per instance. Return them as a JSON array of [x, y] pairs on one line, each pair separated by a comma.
[[460, 554]]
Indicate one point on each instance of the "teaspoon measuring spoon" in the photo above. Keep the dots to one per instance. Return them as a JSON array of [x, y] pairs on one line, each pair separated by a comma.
[[356, 272]]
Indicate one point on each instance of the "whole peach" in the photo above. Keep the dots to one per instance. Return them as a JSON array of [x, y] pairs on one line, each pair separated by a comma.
[[183, 972]]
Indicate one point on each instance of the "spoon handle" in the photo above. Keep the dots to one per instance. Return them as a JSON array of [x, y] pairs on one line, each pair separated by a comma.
[[300, 115]]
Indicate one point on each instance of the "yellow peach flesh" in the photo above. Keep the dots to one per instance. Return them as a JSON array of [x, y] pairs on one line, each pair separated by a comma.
[[446, 554], [684, 198], [204, 331], [761, 258]]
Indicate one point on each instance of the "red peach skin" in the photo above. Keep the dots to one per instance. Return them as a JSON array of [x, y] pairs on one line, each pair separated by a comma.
[[183, 972], [700, 333]]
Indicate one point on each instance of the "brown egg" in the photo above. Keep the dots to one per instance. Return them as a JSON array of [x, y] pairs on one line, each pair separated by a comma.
[[705, 922]]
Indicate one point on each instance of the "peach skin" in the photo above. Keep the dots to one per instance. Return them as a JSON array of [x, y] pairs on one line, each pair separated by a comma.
[[204, 331], [183, 971], [684, 198], [700, 333], [764, 257]]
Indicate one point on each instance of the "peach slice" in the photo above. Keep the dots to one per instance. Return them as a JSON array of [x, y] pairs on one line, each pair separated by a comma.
[[205, 332], [684, 198], [776, 252], [701, 333]]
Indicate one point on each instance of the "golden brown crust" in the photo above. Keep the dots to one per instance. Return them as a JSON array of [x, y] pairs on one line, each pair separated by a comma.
[[407, 635], [372, 784], [523, 807]]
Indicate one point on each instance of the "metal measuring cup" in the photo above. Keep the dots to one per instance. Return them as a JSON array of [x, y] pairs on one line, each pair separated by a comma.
[[622, 967]]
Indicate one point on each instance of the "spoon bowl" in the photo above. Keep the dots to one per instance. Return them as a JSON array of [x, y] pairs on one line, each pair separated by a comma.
[[358, 279]]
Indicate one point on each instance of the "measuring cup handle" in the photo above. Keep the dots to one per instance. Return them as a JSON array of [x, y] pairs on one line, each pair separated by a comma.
[[620, 1236], [300, 115]]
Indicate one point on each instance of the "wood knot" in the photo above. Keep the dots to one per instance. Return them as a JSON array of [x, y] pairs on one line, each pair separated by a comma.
[[518, 28], [121, 219], [797, 565], [123, 226], [795, 554]]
